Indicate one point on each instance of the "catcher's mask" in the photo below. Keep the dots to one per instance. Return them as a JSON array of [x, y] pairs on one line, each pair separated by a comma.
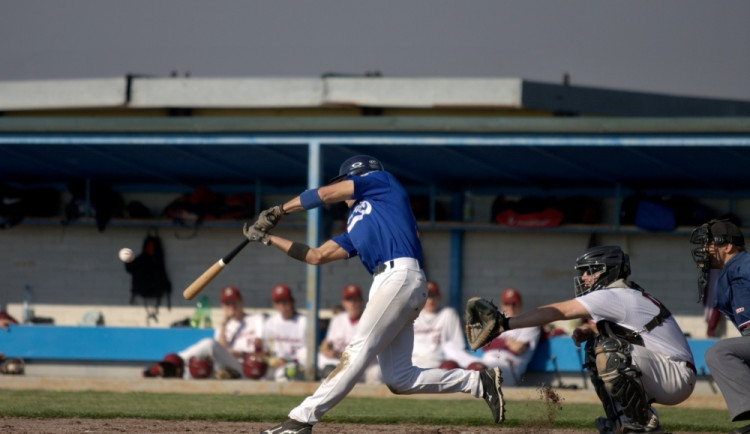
[[357, 165], [700, 239], [718, 233], [605, 263]]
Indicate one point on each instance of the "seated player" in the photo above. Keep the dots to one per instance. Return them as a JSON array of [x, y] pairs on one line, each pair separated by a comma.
[[285, 337], [512, 351], [438, 336]]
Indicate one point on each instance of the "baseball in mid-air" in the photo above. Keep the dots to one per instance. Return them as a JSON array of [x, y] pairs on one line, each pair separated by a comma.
[[126, 255]]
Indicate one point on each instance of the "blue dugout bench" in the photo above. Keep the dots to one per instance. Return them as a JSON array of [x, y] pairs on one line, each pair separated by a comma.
[[99, 344], [136, 344]]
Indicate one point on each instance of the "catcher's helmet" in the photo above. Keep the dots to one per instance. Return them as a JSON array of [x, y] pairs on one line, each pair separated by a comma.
[[200, 367], [609, 261], [254, 367], [357, 165]]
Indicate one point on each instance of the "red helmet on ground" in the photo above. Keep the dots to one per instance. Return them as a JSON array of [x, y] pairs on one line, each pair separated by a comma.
[[200, 367], [254, 367], [170, 366], [449, 364], [477, 366]]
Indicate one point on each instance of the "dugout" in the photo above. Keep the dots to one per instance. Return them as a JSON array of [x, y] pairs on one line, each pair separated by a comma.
[[457, 143]]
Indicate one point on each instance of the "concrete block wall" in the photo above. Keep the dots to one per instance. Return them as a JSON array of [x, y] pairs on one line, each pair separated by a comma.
[[78, 265]]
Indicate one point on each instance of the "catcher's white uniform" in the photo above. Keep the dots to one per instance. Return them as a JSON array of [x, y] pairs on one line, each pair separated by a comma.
[[665, 358]]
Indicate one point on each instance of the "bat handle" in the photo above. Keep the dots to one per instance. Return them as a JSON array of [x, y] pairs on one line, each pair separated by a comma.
[[229, 256]]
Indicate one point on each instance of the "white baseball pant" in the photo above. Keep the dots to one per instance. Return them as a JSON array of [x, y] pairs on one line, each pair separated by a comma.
[[386, 331]]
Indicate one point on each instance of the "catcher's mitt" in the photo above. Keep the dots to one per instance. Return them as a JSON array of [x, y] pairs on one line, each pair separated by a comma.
[[484, 322]]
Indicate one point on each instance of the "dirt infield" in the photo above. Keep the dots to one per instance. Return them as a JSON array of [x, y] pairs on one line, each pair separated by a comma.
[[121, 425]]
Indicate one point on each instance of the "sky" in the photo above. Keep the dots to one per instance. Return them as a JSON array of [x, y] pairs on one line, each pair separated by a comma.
[[679, 47]]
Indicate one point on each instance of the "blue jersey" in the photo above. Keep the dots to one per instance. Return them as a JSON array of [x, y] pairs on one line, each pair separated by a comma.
[[733, 290], [381, 225]]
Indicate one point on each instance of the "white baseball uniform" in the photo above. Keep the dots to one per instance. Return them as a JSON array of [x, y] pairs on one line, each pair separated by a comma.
[[382, 232], [438, 336], [285, 339], [240, 336], [340, 333], [511, 364], [665, 358]]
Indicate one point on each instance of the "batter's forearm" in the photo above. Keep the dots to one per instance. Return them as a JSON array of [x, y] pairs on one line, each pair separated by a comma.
[[292, 205], [295, 250]]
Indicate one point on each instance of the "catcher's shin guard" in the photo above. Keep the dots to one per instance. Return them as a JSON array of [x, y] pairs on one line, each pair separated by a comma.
[[622, 380], [610, 408]]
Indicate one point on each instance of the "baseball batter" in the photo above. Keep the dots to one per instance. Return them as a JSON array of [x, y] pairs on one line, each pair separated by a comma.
[[382, 232], [238, 334]]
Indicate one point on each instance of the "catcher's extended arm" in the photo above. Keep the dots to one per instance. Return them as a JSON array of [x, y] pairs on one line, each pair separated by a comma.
[[484, 322]]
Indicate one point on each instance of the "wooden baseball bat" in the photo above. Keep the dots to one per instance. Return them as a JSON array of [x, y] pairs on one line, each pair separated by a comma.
[[204, 279]]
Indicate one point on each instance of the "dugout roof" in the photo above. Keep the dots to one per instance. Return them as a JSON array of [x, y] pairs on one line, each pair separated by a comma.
[[512, 156], [507, 136]]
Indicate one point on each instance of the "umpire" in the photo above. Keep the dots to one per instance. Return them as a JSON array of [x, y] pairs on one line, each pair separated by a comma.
[[723, 244]]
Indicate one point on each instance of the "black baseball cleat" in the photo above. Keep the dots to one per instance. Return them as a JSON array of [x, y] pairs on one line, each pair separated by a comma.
[[492, 393], [741, 430], [289, 426], [605, 426], [608, 426]]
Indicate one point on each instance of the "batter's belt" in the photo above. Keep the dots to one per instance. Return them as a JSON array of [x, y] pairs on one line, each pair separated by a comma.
[[396, 263]]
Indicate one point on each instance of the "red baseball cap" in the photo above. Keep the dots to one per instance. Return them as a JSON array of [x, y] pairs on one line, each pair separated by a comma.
[[351, 291], [229, 294], [510, 296], [281, 292], [432, 288]]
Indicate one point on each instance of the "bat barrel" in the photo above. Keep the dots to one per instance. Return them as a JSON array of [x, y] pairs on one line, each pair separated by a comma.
[[201, 282], [204, 279]]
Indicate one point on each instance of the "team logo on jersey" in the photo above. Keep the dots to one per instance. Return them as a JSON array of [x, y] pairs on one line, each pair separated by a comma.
[[358, 213]]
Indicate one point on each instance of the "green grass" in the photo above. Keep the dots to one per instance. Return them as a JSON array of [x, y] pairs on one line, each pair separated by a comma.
[[102, 405]]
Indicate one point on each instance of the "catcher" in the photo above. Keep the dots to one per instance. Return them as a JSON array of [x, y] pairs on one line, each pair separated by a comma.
[[636, 354]]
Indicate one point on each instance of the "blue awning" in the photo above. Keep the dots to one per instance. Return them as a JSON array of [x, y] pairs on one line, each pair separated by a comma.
[[597, 164]]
